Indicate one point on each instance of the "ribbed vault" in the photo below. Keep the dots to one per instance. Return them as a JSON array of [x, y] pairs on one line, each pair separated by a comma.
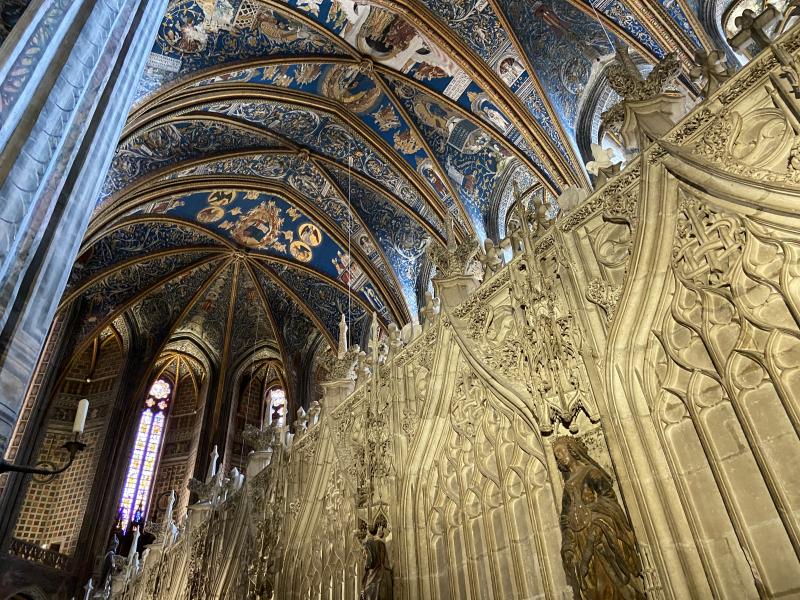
[[288, 161]]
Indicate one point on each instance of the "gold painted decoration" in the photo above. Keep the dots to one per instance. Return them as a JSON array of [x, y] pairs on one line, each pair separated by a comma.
[[349, 86], [310, 234], [211, 214], [223, 197], [260, 227], [301, 251]]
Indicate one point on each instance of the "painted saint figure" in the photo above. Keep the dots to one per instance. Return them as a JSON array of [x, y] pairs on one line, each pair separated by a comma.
[[377, 581], [598, 547]]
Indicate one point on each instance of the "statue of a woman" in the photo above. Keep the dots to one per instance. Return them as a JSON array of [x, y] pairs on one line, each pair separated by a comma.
[[598, 548], [108, 563], [377, 581]]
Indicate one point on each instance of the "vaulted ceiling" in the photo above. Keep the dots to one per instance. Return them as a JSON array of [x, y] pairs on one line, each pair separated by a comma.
[[288, 161]]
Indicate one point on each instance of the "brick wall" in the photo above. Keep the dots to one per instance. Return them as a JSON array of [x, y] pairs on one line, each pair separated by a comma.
[[53, 512]]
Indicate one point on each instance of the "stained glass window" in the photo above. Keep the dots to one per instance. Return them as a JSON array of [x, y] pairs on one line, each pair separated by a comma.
[[160, 390], [276, 406], [139, 480]]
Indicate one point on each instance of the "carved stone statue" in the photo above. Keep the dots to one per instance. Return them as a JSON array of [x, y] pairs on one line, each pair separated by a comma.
[[598, 548], [108, 563], [753, 29], [430, 310], [710, 69], [539, 218], [377, 580], [490, 258]]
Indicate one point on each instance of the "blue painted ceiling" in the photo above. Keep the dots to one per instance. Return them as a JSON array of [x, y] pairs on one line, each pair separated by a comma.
[[289, 160]]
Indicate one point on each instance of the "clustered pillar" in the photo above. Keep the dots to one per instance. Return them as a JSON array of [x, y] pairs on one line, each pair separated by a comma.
[[68, 74]]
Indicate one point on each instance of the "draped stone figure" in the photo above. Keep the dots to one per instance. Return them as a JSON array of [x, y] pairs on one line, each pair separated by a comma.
[[108, 563], [377, 581], [598, 547]]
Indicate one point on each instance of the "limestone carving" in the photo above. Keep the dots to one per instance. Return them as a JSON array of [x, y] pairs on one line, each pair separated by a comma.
[[629, 83], [430, 310], [261, 439], [598, 546], [210, 490], [686, 374], [108, 564], [454, 259], [552, 344], [602, 166], [753, 29], [571, 197], [341, 367], [490, 258], [710, 69], [605, 295], [649, 108], [602, 158]]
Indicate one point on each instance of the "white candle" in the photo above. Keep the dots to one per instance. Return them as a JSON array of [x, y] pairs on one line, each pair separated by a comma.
[[80, 416], [212, 466]]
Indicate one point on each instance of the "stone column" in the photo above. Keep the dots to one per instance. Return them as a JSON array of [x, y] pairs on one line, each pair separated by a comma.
[[68, 75]]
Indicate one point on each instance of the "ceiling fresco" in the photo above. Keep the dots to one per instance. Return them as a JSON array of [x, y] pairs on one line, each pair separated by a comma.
[[473, 159], [563, 44], [207, 317], [402, 239], [196, 34], [103, 297], [170, 143], [250, 327], [364, 30], [287, 161], [301, 174], [679, 15], [179, 363], [132, 242], [330, 137], [330, 301], [273, 226]]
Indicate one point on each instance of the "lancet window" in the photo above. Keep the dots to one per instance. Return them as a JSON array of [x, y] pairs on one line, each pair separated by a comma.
[[276, 407], [146, 448]]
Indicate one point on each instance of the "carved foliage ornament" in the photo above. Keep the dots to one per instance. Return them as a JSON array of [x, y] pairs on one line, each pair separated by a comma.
[[605, 295], [552, 345], [626, 80], [453, 259]]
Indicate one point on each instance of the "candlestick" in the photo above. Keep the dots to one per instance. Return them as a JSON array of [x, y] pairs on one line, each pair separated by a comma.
[[80, 416]]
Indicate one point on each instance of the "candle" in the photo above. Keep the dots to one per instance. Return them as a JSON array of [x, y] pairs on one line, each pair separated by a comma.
[[212, 466], [80, 416]]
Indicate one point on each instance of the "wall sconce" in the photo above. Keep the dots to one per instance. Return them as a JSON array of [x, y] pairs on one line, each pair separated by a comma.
[[72, 446]]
